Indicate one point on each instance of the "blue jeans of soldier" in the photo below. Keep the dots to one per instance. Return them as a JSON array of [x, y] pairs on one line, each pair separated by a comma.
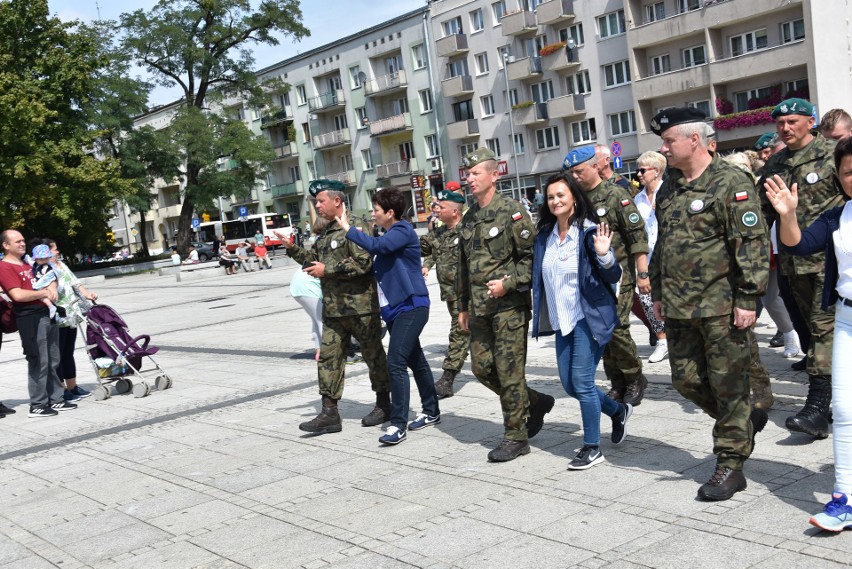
[[404, 352], [577, 357]]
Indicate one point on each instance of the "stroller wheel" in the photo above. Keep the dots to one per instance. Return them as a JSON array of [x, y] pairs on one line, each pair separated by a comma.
[[163, 382], [123, 385], [168, 382], [141, 389], [102, 393]]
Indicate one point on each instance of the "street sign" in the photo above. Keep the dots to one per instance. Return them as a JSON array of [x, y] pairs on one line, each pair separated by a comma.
[[243, 211], [503, 168], [616, 150], [462, 174], [195, 222], [616, 162]]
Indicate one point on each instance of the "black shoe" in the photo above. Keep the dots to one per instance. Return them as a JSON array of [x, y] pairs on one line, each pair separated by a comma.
[[376, 417], [758, 419], [444, 386], [42, 411], [815, 416], [619, 423], [635, 392], [6, 410], [509, 450], [537, 412], [724, 483], [777, 340], [63, 406], [800, 365], [586, 458], [616, 394]]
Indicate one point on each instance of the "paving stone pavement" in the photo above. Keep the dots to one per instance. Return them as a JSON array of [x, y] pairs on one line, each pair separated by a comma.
[[214, 472]]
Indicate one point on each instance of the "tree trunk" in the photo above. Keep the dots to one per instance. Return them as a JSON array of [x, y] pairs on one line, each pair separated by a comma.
[[144, 239], [184, 234]]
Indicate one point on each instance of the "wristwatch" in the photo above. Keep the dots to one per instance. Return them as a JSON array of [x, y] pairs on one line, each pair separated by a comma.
[[643, 275]]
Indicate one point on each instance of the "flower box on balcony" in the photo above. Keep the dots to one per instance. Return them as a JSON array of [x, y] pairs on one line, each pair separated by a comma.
[[551, 48], [744, 119]]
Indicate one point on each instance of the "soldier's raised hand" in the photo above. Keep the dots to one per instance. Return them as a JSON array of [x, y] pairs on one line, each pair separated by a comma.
[[782, 198], [603, 239]]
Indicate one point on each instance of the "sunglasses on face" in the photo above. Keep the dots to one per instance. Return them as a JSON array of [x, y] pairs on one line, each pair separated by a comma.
[[643, 170]]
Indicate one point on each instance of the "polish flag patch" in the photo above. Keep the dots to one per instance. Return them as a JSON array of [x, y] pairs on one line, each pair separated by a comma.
[[625, 202], [740, 196], [517, 216]]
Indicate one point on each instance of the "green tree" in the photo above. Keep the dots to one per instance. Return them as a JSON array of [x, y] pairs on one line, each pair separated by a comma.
[[202, 47], [52, 183]]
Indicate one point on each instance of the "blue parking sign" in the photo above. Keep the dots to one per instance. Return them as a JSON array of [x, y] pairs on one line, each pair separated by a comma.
[[243, 211], [195, 222], [616, 162]]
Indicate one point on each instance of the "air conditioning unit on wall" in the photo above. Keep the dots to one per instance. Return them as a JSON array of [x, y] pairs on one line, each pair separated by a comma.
[[436, 164]]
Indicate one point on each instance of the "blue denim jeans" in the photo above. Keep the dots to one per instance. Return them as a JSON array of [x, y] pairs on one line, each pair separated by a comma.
[[577, 357], [404, 352]]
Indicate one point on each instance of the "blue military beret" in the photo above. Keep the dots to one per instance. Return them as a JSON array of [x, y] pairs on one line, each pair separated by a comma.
[[578, 156], [676, 115], [793, 106], [322, 185], [763, 141], [448, 196]]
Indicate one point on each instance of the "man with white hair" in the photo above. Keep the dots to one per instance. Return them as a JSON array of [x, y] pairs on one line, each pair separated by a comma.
[[603, 164]]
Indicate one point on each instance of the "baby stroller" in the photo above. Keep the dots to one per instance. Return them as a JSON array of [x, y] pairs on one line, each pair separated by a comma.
[[117, 356]]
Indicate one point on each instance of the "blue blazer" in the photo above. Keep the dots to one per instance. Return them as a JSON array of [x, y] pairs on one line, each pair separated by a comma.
[[397, 261], [597, 298], [818, 238]]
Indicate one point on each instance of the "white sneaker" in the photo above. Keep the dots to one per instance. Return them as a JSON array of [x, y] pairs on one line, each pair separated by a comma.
[[791, 345], [660, 353]]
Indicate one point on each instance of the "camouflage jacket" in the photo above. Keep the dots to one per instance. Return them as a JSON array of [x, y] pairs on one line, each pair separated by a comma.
[[496, 242], [712, 252], [348, 287], [440, 249], [614, 205], [812, 168]]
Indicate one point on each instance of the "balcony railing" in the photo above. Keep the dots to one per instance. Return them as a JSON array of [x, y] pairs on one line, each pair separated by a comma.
[[563, 60], [347, 177], [333, 138], [390, 124], [526, 68], [449, 46], [555, 11], [284, 190], [280, 117], [567, 106], [288, 150], [463, 129], [534, 113], [384, 171], [390, 82], [457, 86], [327, 100], [519, 23]]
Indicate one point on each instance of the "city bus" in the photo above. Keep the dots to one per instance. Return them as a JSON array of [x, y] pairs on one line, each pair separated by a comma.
[[244, 228]]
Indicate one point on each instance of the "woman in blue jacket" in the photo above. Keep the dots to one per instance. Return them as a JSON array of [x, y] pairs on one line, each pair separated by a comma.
[[574, 272], [404, 303], [831, 233]]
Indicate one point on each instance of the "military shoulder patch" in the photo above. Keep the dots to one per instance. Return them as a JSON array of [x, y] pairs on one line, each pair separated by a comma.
[[517, 216], [741, 196], [749, 219], [633, 218], [525, 234], [625, 203]]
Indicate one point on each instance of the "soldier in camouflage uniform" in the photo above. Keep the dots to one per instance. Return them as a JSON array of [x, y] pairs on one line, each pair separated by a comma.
[[495, 270], [808, 162], [350, 308], [440, 249], [710, 263], [614, 205]]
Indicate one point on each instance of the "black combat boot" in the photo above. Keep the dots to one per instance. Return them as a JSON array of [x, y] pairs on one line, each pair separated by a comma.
[[509, 450], [537, 412], [724, 483], [444, 386], [328, 421], [380, 413], [635, 392], [815, 416]]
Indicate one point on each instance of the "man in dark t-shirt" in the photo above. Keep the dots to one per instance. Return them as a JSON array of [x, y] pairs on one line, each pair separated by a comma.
[[39, 333]]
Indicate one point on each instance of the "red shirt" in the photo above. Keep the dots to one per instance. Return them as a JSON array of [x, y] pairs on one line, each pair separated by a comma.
[[17, 276], [260, 250]]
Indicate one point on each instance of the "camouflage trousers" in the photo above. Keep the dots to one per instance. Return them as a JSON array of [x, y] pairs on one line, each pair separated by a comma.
[[498, 355], [757, 372], [710, 360], [621, 362], [807, 292], [459, 341], [336, 334]]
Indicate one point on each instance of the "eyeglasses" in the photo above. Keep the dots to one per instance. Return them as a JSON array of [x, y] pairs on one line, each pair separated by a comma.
[[643, 170]]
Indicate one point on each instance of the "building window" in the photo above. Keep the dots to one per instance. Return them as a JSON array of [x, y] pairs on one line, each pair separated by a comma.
[[611, 24], [463, 110], [418, 54], [798, 88], [617, 73], [355, 76], [655, 11], [295, 174], [487, 103], [481, 63], [367, 159], [792, 31], [575, 33], [465, 149], [340, 122], [306, 133], [426, 102], [457, 68], [693, 56], [748, 42], [400, 106], [312, 171], [452, 27], [703, 106], [476, 21], [660, 64], [361, 113], [687, 5], [578, 84], [547, 138], [301, 95], [583, 131], [513, 97], [503, 52], [432, 149], [498, 9], [742, 99], [519, 144], [541, 92], [622, 123], [493, 145], [533, 46]]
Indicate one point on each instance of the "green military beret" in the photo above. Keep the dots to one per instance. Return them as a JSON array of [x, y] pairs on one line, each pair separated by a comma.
[[674, 116], [322, 185], [448, 196], [793, 107], [763, 141], [477, 156]]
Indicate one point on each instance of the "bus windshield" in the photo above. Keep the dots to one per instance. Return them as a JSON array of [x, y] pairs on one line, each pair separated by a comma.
[[246, 228]]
